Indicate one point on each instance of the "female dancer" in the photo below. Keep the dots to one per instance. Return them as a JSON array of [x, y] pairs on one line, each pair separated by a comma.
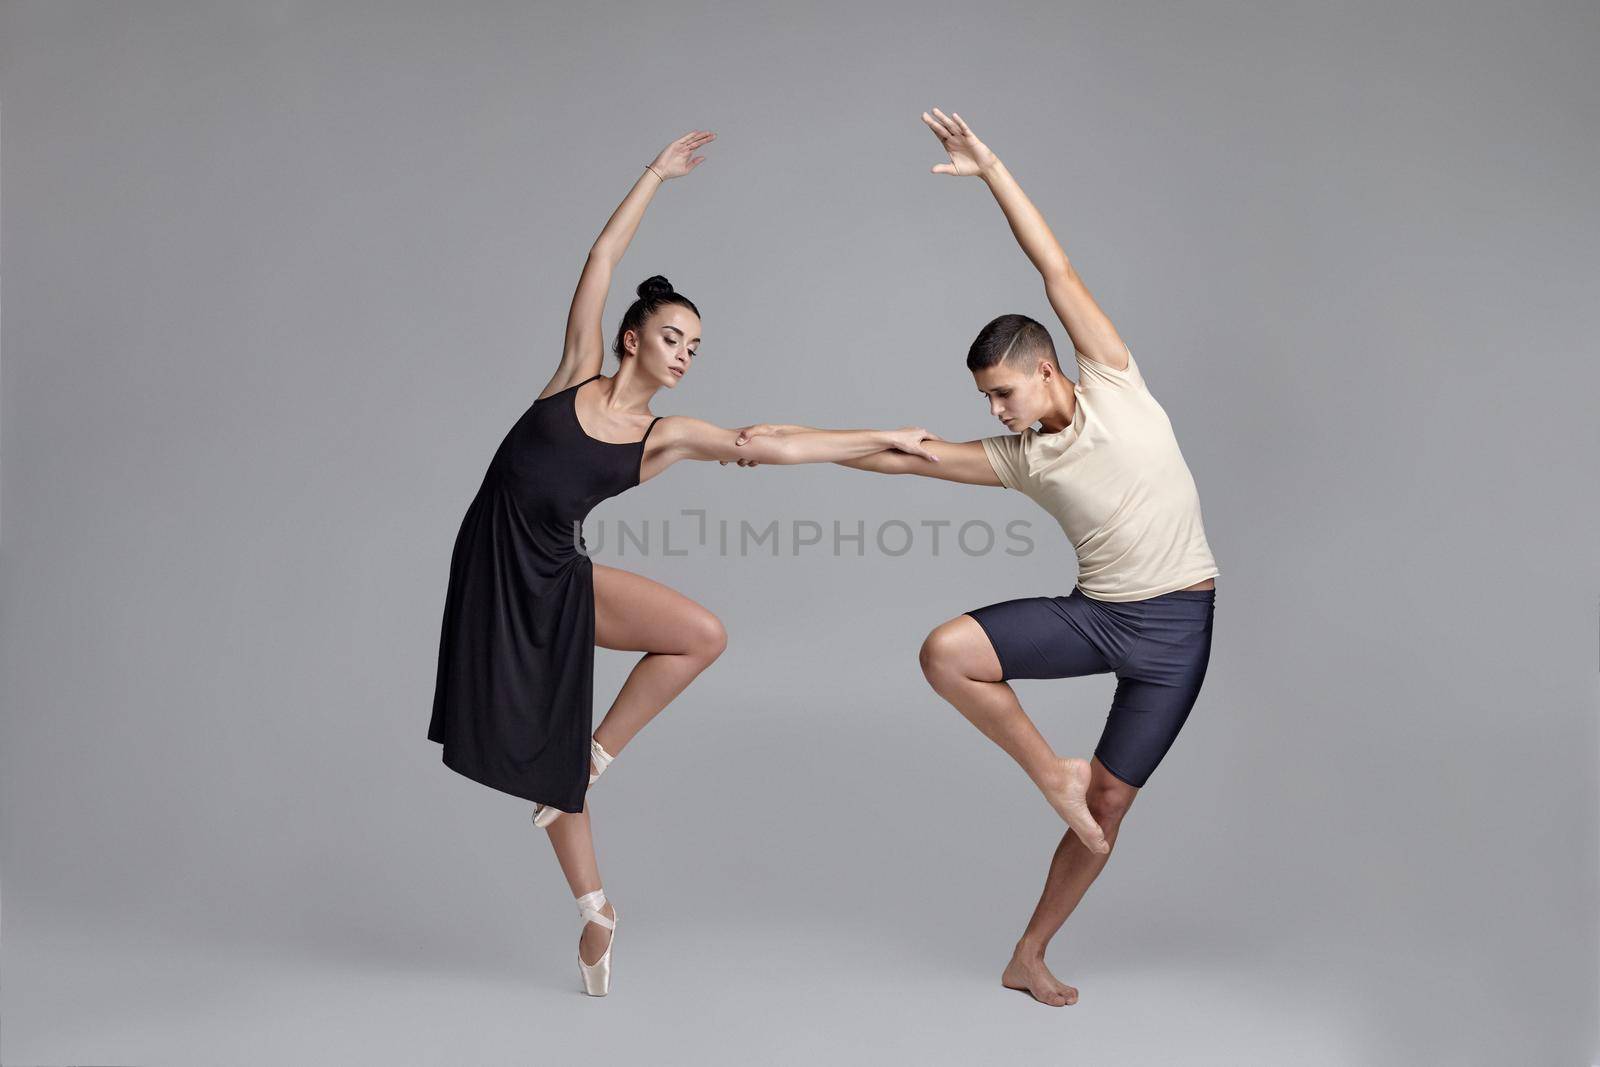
[[1107, 467], [526, 606]]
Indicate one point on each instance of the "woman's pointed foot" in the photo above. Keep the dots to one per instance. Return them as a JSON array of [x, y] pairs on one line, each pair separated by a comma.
[[595, 940], [594, 944], [599, 760]]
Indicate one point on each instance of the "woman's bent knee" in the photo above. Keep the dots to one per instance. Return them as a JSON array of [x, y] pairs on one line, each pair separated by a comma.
[[710, 638]]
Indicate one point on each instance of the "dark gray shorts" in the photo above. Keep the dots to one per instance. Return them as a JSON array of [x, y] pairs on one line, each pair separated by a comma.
[[1158, 649]]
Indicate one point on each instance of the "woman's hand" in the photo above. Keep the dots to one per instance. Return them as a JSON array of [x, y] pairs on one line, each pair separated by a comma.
[[968, 155], [908, 439], [678, 158]]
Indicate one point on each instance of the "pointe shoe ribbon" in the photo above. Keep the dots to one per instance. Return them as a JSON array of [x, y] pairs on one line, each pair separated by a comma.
[[597, 975]]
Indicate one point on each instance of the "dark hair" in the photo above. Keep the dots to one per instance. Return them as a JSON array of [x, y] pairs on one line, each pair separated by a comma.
[[655, 293], [1011, 338]]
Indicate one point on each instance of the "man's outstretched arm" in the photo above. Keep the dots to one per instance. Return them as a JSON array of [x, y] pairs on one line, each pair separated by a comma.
[[1089, 327]]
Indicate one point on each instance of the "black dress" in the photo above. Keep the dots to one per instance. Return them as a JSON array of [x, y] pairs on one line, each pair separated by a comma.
[[512, 700]]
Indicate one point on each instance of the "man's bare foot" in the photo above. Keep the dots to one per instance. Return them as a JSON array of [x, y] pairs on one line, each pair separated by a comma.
[[1031, 976], [1069, 796]]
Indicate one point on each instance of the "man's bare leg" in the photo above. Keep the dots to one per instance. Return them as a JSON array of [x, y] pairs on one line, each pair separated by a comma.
[[962, 667], [1072, 869]]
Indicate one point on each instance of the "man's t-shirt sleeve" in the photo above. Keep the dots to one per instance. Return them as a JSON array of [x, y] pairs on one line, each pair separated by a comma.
[[1005, 456], [1094, 374]]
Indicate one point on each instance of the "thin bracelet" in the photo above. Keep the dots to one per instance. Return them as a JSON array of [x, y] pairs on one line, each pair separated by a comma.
[[657, 173]]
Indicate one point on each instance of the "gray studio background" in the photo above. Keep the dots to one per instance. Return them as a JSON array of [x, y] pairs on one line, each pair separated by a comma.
[[278, 277]]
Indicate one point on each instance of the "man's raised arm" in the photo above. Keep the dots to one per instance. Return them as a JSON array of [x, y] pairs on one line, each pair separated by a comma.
[[1089, 327]]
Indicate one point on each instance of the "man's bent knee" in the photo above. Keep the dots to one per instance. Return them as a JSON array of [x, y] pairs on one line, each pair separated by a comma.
[[1108, 803], [940, 654]]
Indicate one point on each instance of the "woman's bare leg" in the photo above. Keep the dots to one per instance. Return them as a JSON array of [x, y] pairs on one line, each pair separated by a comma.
[[574, 845], [680, 639], [962, 667]]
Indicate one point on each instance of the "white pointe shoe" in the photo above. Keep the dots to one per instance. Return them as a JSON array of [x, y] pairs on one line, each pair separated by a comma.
[[597, 975], [544, 814]]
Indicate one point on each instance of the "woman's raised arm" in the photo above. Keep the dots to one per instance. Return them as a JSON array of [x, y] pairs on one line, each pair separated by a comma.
[[584, 348]]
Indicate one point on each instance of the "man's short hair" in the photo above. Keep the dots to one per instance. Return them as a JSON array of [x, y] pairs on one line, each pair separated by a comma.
[[1014, 339]]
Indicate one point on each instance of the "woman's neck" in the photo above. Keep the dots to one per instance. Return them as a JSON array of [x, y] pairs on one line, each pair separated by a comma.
[[630, 392]]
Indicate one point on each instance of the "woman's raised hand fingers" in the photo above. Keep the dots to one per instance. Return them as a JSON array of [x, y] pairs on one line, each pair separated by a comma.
[[950, 124], [938, 128], [693, 139], [961, 124]]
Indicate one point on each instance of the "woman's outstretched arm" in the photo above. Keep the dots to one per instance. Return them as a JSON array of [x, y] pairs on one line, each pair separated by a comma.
[[680, 437], [1089, 327], [951, 461], [584, 349]]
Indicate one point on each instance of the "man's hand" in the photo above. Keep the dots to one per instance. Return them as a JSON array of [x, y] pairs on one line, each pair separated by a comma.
[[760, 429], [968, 155]]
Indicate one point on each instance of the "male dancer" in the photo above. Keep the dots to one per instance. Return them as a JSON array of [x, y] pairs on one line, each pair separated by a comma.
[[1106, 465]]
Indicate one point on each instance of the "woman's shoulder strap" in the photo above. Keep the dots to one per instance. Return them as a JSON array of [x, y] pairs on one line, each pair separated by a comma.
[[573, 389], [652, 426]]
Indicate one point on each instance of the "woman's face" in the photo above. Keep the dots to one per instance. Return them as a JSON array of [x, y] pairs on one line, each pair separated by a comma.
[[665, 345]]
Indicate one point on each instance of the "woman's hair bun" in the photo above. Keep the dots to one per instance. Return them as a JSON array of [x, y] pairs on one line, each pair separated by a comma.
[[655, 285], [655, 292]]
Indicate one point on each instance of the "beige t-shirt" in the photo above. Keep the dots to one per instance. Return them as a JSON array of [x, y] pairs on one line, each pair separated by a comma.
[[1118, 485]]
